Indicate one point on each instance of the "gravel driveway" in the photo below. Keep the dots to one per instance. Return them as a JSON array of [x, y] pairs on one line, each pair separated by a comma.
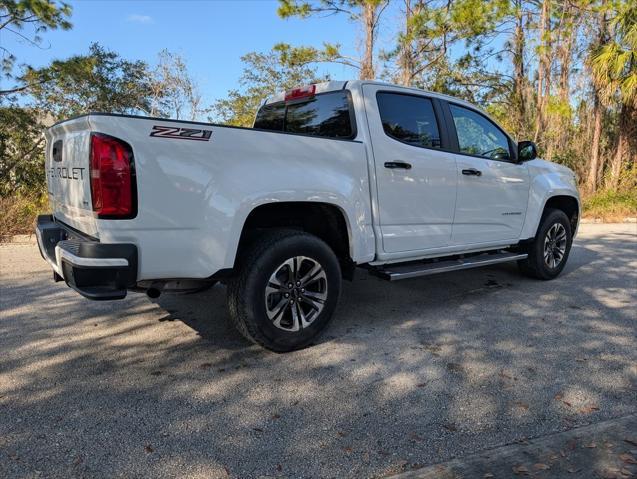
[[408, 374]]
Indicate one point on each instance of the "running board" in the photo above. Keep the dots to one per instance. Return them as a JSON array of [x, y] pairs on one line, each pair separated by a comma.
[[393, 272]]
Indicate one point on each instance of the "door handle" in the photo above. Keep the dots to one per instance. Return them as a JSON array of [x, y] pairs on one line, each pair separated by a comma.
[[397, 164], [472, 172]]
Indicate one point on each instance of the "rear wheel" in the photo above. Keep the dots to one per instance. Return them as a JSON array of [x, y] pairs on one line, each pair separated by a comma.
[[285, 290], [550, 248]]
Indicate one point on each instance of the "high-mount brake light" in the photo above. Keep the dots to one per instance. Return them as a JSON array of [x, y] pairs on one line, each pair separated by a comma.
[[301, 92], [113, 186]]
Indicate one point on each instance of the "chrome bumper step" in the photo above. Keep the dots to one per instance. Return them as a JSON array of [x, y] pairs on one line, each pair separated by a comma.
[[394, 272]]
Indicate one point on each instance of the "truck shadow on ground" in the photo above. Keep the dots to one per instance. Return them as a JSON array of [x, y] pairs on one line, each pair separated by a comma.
[[206, 312], [408, 373]]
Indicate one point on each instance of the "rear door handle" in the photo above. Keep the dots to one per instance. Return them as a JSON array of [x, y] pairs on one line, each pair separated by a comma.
[[397, 164], [472, 172]]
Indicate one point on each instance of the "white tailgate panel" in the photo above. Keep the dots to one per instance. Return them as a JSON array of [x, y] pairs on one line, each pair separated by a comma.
[[68, 180]]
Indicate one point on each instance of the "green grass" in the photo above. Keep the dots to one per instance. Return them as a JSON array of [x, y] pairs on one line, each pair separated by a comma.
[[611, 205]]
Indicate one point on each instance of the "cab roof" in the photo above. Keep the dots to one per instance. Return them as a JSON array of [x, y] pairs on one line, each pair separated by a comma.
[[353, 84]]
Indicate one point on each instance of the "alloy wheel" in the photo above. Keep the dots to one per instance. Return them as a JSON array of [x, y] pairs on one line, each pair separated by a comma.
[[296, 293], [555, 245]]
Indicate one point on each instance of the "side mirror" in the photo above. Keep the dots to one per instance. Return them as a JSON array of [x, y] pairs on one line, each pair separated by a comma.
[[501, 155], [527, 151]]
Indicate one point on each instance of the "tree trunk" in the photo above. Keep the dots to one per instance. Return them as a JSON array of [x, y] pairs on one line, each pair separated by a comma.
[[593, 172], [566, 53], [625, 143], [406, 60], [597, 163], [370, 10], [544, 68], [519, 80], [565, 56]]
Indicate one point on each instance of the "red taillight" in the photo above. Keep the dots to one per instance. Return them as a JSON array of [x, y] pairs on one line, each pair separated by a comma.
[[113, 189], [301, 92]]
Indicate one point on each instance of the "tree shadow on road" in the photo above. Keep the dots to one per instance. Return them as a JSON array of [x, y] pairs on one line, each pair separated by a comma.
[[409, 373]]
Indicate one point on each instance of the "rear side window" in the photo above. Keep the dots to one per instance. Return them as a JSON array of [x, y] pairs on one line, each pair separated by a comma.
[[409, 118], [479, 136], [270, 117], [326, 115]]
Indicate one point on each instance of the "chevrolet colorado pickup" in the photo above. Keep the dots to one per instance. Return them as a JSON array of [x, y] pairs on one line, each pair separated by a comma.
[[331, 177]]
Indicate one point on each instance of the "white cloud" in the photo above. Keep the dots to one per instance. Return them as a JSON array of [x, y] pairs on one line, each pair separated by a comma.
[[136, 18]]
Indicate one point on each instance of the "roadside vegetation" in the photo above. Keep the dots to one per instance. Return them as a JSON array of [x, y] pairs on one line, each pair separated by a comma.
[[611, 206], [19, 214], [562, 73]]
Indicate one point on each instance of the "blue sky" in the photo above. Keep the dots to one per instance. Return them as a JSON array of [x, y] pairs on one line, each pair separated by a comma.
[[211, 35]]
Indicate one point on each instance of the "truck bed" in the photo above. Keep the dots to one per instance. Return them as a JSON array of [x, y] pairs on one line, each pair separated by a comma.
[[197, 182]]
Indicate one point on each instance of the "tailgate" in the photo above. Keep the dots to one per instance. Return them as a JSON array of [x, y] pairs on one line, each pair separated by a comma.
[[68, 174]]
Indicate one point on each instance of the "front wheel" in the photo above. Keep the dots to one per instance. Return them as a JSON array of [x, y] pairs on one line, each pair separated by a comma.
[[550, 248], [285, 290]]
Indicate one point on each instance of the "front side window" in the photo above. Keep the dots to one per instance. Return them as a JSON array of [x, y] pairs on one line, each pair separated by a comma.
[[479, 136], [325, 115], [409, 118]]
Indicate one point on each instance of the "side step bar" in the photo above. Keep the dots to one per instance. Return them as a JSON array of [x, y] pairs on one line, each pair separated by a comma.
[[393, 272]]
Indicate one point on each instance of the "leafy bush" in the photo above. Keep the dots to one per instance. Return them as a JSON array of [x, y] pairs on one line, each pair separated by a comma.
[[19, 213], [21, 152]]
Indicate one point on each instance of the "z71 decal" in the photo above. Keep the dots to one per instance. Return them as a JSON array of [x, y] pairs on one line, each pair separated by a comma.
[[181, 133]]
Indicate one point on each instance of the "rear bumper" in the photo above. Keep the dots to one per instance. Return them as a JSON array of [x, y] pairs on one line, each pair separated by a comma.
[[93, 269]]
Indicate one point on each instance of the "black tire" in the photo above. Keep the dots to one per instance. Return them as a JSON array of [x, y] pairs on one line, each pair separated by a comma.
[[266, 256], [535, 265]]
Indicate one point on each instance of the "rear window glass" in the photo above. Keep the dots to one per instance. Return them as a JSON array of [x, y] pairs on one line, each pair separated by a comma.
[[326, 115]]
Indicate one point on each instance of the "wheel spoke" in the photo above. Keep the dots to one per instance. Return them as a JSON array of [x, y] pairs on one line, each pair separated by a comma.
[[305, 319], [276, 313], [297, 265], [275, 282], [273, 288], [313, 296], [296, 320], [311, 303], [313, 275], [289, 264]]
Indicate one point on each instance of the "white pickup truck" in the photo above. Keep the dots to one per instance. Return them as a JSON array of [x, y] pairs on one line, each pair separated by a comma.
[[332, 177]]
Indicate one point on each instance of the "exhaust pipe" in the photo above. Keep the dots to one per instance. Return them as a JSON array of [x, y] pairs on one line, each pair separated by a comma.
[[153, 292]]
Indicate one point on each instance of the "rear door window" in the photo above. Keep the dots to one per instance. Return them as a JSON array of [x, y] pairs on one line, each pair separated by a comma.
[[326, 115], [409, 118]]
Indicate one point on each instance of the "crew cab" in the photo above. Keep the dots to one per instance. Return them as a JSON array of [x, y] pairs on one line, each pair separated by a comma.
[[332, 178]]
